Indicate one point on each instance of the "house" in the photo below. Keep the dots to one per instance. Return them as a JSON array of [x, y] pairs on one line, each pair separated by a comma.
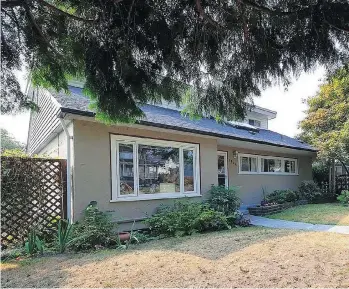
[[131, 169]]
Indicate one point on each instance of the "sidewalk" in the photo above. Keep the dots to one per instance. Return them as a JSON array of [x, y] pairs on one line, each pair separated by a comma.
[[281, 224]]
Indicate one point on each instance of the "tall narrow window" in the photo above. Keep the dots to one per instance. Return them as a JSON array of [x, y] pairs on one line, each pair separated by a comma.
[[126, 169], [222, 160], [188, 165]]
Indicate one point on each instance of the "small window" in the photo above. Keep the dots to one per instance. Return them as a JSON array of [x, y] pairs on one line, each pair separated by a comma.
[[248, 163], [254, 122], [271, 165], [290, 166]]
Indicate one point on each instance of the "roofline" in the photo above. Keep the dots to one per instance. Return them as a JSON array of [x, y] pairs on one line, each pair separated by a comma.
[[147, 123]]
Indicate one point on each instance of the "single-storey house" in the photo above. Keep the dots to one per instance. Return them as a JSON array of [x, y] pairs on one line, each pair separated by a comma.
[[130, 169]]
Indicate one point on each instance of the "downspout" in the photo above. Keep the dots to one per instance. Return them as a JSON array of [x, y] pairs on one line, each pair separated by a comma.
[[69, 173]]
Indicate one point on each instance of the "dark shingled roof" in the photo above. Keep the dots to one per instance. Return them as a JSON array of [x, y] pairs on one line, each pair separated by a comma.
[[156, 116]]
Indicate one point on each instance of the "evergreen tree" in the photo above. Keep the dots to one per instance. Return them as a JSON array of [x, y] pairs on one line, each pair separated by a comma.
[[218, 53]]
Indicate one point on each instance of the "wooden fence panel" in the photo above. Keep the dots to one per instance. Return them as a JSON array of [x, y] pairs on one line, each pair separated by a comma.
[[32, 195], [342, 183]]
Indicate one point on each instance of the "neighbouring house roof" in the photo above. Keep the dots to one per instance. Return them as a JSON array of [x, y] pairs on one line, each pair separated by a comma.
[[77, 103]]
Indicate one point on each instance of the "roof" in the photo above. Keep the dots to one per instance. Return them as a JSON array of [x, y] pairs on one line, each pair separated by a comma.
[[77, 103]]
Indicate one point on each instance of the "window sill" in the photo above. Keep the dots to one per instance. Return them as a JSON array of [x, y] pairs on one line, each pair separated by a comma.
[[269, 174], [155, 197]]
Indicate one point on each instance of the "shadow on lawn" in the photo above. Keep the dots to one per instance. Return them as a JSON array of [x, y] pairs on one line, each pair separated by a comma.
[[56, 271]]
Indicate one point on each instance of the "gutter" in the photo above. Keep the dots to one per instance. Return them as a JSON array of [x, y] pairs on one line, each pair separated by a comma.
[[183, 129], [69, 172]]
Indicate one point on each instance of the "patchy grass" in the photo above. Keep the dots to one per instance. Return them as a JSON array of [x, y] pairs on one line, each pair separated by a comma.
[[328, 214], [247, 257]]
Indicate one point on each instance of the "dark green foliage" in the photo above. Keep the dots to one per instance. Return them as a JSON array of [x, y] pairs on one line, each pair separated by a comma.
[[224, 199], [131, 52], [33, 244], [310, 191], [344, 198], [282, 196], [95, 229], [63, 235], [185, 218], [320, 172]]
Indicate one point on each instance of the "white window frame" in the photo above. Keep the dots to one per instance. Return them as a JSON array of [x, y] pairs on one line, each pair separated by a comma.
[[115, 140], [254, 120], [226, 176], [259, 163]]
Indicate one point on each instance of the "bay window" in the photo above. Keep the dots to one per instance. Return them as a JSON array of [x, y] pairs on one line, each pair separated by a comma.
[[256, 164], [153, 169]]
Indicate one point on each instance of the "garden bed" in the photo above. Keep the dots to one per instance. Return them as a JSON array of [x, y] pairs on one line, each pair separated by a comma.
[[273, 209]]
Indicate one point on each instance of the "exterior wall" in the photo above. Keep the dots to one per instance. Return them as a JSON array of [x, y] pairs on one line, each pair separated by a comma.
[[92, 180], [92, 171], [43, 122], [262, 118], [57, 147], [251, 185]]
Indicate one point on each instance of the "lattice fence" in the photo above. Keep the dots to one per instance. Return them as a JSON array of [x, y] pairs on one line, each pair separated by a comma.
[[342, 183], [33, 194]]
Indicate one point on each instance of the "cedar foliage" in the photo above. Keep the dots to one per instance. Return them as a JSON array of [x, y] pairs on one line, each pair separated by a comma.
[[130, 52]]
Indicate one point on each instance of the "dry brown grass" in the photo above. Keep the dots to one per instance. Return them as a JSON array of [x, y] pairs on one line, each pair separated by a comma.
[[252, 257]]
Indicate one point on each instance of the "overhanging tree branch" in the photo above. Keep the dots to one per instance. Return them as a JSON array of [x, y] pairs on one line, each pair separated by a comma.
[[204, 16], [54, 8]]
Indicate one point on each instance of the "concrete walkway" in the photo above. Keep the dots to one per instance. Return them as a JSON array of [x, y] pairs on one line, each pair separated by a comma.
[[282, 224]]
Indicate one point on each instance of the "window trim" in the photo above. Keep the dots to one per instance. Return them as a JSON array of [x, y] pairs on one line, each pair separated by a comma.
[[259, 162], [116, 140], [254, 120], [226, 175]]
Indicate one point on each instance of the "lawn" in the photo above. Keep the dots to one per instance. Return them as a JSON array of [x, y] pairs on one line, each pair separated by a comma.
[[330, 214], [246, 257]]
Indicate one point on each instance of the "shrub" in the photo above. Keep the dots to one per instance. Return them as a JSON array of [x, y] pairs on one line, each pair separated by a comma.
[[344, 198], [185, 218], [224, 199], [95, 229], [320, 172], [282, 196], [310, 191]]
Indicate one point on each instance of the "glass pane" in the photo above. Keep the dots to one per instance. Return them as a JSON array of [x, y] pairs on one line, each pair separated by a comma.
[[158, 169], [221, 181], [126, 169], [221, 165], [245, 166], [188, 160], [290, 166], [253, 164], [271, 165]]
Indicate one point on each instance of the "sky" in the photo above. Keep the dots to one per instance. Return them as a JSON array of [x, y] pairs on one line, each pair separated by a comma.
[[287, 103]]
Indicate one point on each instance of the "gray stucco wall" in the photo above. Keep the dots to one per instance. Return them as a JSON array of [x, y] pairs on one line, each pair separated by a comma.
[[251, 185], [92, 172]]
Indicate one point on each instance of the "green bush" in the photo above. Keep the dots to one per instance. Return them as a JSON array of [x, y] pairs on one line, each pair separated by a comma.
[[224, 199], [282, 196], [320, 172], [185, 218], [310, 191], [344, 198], [63, 235], [95, 229]]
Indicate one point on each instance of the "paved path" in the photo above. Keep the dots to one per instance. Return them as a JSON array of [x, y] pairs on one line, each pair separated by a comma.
[[282, 224]]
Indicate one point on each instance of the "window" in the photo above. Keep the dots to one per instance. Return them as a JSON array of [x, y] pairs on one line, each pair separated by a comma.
[[271, 165], [153, 169], [222, 161], [248, 163], [254, 164], [254, 122]]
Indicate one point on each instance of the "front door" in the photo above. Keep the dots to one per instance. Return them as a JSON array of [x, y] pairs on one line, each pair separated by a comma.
[[222, 161]]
